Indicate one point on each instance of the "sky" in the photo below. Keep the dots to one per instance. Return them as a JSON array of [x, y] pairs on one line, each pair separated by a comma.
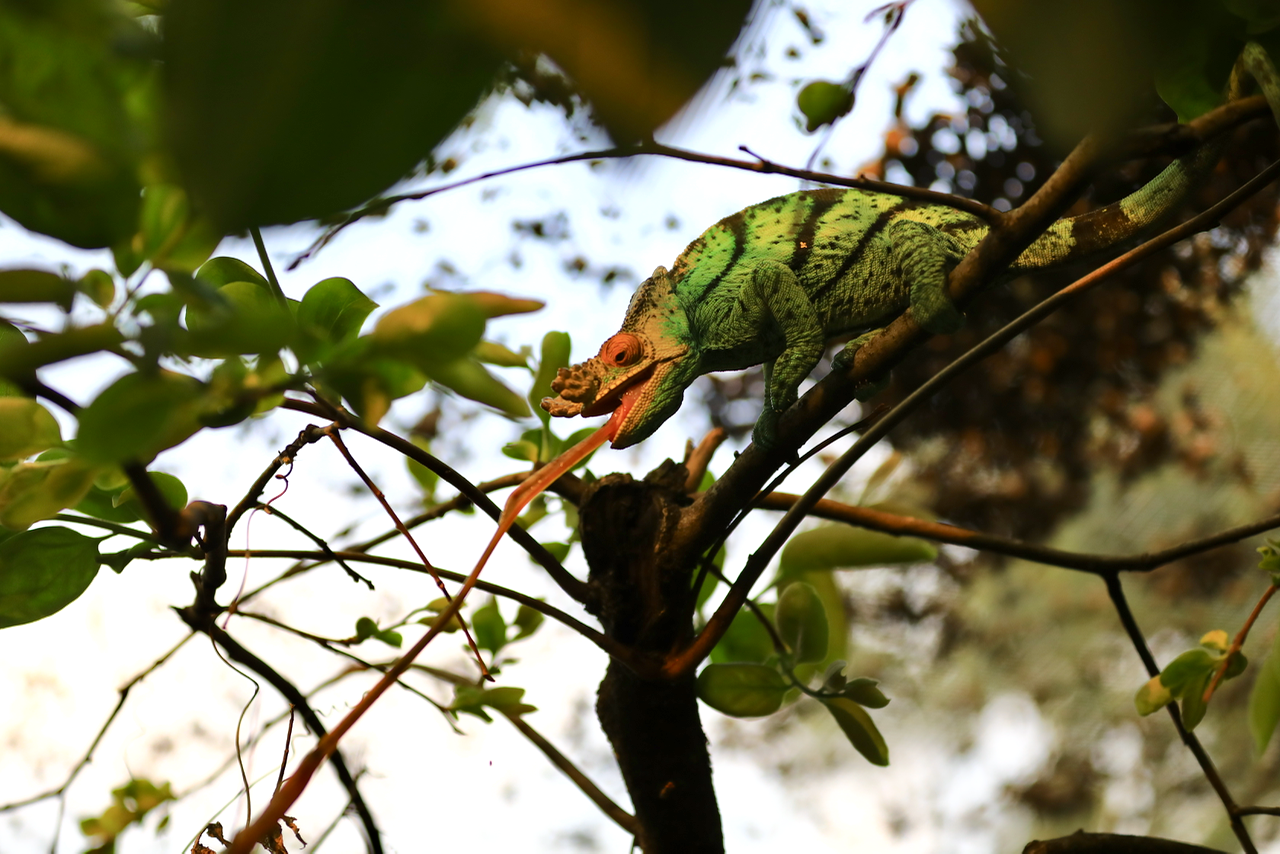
[[487, 789]]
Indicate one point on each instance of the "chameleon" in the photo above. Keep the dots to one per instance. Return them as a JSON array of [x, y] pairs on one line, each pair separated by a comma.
[[774, 282]]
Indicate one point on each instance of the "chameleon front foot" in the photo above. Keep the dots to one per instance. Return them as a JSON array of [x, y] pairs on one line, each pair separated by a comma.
[[844, 360]]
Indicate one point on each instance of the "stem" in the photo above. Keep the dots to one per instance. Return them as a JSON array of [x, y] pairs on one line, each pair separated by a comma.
[[1238, 642]]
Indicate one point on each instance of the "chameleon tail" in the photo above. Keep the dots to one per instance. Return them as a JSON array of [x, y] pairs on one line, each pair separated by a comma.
[[1117, 222]]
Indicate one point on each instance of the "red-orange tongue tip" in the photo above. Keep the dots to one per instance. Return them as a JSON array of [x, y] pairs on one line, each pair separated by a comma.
[[535, 485]]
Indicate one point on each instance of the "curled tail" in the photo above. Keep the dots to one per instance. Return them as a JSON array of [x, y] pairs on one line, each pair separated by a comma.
[[1116, 223]]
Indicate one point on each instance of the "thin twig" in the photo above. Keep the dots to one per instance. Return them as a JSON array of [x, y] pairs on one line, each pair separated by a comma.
[[892, 523], [315, 538], [1139, 641], [404, 532], [562, 577], [697, 459], [306, 436], [1238, 643]]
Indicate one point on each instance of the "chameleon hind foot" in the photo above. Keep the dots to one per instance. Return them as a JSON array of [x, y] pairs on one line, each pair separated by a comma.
[[844, 360]]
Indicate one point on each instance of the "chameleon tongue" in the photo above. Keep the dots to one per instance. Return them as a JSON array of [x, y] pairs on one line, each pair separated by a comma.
[[533, 486]]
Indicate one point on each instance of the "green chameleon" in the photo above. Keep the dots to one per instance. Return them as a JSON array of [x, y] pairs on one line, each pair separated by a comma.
[[772, 283]]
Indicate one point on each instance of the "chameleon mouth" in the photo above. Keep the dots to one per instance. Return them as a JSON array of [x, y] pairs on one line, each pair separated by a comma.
[[619, 397]]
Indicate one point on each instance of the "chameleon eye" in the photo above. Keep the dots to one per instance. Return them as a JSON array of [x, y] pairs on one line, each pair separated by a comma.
[[621, 350]]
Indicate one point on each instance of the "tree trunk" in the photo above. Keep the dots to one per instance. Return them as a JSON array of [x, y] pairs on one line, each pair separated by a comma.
[[645, 602]]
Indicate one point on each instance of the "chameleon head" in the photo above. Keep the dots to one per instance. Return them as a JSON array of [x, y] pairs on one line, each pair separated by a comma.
[[642, 371]]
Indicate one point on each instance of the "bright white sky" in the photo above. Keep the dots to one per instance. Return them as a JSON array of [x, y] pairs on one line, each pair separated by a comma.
[[488, 790]]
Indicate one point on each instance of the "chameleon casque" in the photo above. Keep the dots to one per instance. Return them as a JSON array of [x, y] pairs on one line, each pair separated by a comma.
[[772, 283]]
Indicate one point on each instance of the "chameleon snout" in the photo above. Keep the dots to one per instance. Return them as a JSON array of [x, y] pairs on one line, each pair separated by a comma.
[[575, 387]]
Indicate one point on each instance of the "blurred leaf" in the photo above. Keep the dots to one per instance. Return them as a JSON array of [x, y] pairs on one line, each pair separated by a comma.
[[368, 380], [138, 416], [742, 690], [425, 477], [1152, 696], [129, 805], [488, 627], [171, 236], [493, 353], [470, 379], [333, 310], [525, 450], [35, 286], [527, 622], [554, 356], [99, 286], [30, 492], [431, 331], [859, 729], [493, 304], [171, 488], [248, 319], [559, 551], [263, 98], [1264, 700], [78, 93], [1187, 668], [829, 547], [224, 270], [802, 622], [506, 699], [20, 359], [822, 102], [746, 640], [43, 571], [26, 428], [865, 692]]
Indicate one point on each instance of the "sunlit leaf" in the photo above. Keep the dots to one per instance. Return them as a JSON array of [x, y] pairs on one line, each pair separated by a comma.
[[30, 492], [470, 379], [140, 415], [26, 428], [333, 310], [493, 353]]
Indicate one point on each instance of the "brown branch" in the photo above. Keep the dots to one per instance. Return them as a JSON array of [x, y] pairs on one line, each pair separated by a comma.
[[1113, 843], [562, 577], [892, 523], [697, 459]]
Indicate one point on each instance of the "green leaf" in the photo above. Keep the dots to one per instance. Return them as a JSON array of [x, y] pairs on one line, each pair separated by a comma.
[[470, 379], [366, 628], [30, 492], [527, 622], [138, 416], [493, 353], [554, 356], [1193, 704], [822, 102], [248, 320], [865, 692], [43, 571], [99, 286], [802, 622], [369, 381], [523, 450], [431, 331], [332, 310], [742, 690], [224, 270], [859, 729], [1216, 641], [35, 286], [26, 428], [171, 489], [1152, 696], [488, 627], [1264, 699], [345, 76], [425, 477], [745, 640], [506, 699], [559, 551], [1186, 669], [830, 547]]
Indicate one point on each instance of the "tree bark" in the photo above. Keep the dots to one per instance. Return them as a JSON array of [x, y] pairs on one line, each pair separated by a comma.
[[645, 601]]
